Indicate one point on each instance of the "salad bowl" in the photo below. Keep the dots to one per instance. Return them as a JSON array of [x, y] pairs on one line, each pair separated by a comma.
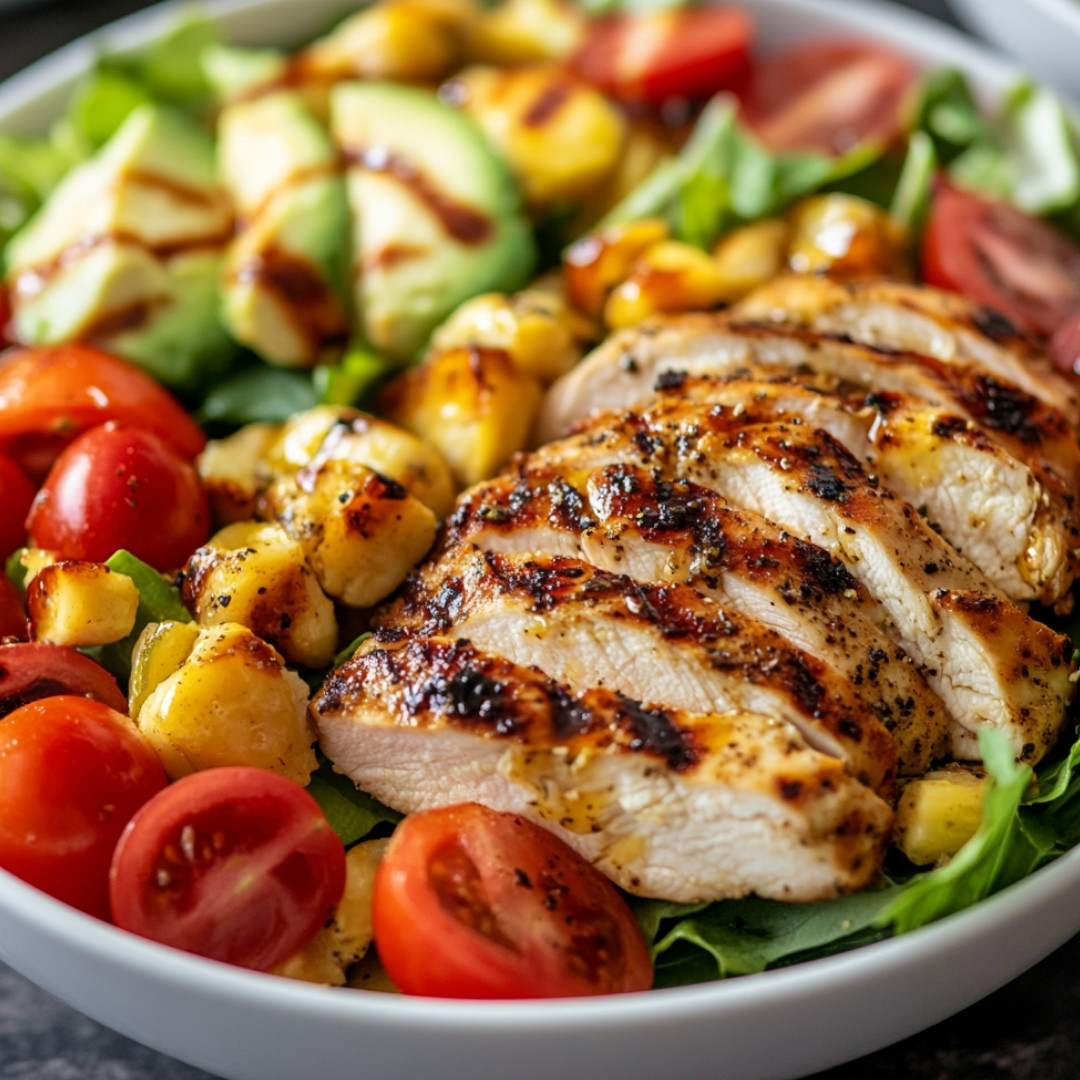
[[787, 1023]]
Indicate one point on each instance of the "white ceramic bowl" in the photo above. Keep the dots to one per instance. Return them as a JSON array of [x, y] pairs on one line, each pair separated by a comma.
[[1044, 34], [788, 1023]]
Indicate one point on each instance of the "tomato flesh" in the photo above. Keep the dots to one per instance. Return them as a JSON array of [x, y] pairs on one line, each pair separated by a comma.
[[1000, 257], [30, 671], [237, 864], [829, 96], [473, 903], [49, 395], [72, 772], [16, 495], [119, 487], [679, 53]]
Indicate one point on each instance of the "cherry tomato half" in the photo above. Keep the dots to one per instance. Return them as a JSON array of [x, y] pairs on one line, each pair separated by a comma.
[[691, 52], [33, 670], [16, 495], [12, 621], [473, 903], [1002, 258], [236, 863], [829, 96], [72, 772], [121, 487], [49, 395]]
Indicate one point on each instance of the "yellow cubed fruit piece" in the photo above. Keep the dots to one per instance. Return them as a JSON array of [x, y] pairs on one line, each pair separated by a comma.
[[81, 604], [752, 255], [846, 238], [525, 32], [938, 813]]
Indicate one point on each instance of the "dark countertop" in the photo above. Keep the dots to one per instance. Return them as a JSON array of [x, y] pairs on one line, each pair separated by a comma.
[[1029, 1030]]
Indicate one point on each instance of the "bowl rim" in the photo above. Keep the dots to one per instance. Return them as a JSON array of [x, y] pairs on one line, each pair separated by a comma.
[[51, 76]]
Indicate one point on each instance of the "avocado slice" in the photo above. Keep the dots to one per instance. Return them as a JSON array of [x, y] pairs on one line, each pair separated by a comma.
[[436, 213], [127, 250], [284, 281]]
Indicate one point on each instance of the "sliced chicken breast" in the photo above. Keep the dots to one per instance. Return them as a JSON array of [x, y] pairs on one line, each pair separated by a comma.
[[627, 367], [620, 519], [654, 643], [988, 661], [685, 806], [985, 502], [914, 318]]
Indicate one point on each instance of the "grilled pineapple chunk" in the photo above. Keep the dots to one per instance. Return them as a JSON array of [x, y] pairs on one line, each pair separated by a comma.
[[526, 31], [80, 604], [472, 404], [254, 573], [348, 935], [846, 238], [400, 40], [938, 813], [752, 255], [535, 326], [669, 276], [596, 263], [361, 532], [561, 137], [233, 471], [231, 701]]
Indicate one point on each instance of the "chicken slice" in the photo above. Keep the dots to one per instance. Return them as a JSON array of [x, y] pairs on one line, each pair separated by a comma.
[[684, 806], [626, 368], [914, 318], [622, 520], [655, 643], [987, 660], [984, 501]]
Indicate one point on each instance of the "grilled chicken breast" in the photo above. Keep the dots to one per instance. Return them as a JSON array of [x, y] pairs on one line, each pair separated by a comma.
[[622, 520], [987, 660], [654, 643], [985, 502], [688, 806], [913, 318]]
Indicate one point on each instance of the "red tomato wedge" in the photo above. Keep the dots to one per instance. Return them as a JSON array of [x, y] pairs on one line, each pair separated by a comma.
[[16, 495], [829, 96], [1000, 257], [472, 903], [33, 670], [121, 487], [689, 52], [236, 864], [12, 619], [72, 772], [49, 395]]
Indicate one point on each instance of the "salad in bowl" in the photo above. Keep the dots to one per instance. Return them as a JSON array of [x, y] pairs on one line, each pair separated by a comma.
[[534, 502]]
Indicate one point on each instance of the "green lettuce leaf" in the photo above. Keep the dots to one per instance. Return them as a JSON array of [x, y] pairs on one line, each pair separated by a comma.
[[352, 813], [259, 394]]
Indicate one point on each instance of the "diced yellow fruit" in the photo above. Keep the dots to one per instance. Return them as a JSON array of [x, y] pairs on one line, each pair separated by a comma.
[[752, 255], [338, 945], [400, 40], [845, 237], [81, 604], [471, 404], [596, 263], [525, 32], [535, 326], [232, 701], [335, 433], [938, 813], [159, 652], [362, 533], [669, 276], [254, 573], [561, 137], [233, 471]]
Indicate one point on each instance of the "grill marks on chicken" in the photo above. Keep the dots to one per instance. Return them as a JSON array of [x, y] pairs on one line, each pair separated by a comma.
[[691, 806], [938, 605], [655, 643], [622, 520]]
